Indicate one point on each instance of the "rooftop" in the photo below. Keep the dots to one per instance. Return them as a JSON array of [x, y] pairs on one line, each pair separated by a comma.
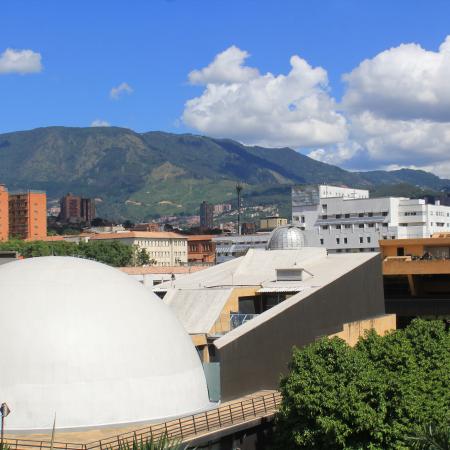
[[140, 235]]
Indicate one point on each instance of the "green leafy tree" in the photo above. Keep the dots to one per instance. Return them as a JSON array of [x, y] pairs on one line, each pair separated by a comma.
[[372, 396], [142, 257]]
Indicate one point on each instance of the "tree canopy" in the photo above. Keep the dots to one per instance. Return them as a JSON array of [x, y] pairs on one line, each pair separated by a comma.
[[112, 253], [375, 395]]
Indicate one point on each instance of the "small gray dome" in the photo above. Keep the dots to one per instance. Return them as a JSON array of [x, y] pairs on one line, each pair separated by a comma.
[[286, 237]]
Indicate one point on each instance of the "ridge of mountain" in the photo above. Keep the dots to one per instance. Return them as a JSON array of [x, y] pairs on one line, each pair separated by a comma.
[[143, 175]]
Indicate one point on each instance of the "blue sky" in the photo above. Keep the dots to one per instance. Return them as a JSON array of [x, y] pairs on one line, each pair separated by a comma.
[[87, 48]]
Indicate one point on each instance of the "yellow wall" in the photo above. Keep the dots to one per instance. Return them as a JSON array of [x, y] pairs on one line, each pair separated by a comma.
[[354, 330], [222, 324]]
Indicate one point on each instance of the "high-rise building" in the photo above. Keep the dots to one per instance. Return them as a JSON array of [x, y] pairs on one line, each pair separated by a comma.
[[4, 213], [28, 215], [87, 210], [75, 209], [70, 208], [206, 215]]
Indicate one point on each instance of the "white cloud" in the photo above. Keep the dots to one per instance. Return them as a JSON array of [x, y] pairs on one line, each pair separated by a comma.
[[273, 110], [100, 123], [227, 67], [405, 82], [398, 109], [118, 91], [20, 61]]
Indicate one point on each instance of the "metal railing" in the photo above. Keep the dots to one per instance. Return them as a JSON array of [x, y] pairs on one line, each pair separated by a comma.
[[184, 428], [229, 321]]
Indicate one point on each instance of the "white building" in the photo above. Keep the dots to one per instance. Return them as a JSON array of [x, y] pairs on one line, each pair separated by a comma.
[[93, 346], [166, 248], [233, 246], [347, 220]]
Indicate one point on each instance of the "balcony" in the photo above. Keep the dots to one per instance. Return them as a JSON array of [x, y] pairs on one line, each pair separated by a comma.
[[228, 322], [405, 265]]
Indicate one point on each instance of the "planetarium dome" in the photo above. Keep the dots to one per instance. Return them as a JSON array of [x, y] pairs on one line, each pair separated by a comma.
[[90, 344], [286, 237]]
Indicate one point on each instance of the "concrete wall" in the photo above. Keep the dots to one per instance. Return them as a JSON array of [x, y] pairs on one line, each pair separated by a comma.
[[255, 360]]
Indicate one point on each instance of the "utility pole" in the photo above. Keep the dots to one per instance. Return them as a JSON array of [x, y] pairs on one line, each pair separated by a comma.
[[239, 188]]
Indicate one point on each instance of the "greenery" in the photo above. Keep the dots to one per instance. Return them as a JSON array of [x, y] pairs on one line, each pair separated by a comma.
[[431, 438], [138, 176], [162, 443], [375, 395], [112, 253]]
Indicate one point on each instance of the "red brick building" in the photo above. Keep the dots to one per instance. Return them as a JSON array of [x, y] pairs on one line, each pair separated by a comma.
[[201, 249]]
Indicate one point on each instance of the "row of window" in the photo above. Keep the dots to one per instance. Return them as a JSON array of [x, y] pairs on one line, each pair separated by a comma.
[[350, 226], [160, 243], [165, 254], [351, 215]]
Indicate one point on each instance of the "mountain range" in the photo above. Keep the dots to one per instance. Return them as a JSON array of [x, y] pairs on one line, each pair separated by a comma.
[[144, 175]]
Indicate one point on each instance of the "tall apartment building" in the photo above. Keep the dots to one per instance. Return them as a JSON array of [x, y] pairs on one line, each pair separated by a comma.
[[75, 209], [206, 215], [347, 220], [28, 215], [4, 213]]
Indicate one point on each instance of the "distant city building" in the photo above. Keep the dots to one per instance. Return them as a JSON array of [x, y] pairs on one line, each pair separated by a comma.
[[201, 249], [248, 228], [165, 248], [234, 246], [75, 209], [28, 215], [151, 226], [270, 223], [222, 208], [206, 215], [347, 220], [4, 213], [87, 210]]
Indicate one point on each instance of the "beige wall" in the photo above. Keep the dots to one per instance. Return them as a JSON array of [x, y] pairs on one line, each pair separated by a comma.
[[354, 330]]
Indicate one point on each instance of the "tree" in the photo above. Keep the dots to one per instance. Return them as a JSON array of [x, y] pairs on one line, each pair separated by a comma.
[[142, 257], [372, 396]]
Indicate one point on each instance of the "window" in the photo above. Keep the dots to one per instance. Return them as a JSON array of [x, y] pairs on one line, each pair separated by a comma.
[[384, 213], [347, 226], [345, 241], [368, 239], [371, 225], [361, 225], [324, 227], [324, 216], [321, 242], [338, 240], [360, 214], [361, 239], [370, 214], [347, 216], [338, 227], [303, 219], [338, 216]]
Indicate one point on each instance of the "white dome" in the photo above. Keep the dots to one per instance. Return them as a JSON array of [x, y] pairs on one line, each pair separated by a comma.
[[286, 237], [89, 343]]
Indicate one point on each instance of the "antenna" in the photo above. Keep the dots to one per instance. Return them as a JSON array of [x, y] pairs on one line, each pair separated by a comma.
[[239, 188]]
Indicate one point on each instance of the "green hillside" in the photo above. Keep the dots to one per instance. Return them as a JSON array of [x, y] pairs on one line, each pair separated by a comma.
[[139, 176]]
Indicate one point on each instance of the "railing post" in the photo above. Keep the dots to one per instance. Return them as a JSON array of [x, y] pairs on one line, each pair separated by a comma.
[[195, 427], [207, 423], [231, 413], [253, 403], [264, 402], [181, 428], [218, 416]]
